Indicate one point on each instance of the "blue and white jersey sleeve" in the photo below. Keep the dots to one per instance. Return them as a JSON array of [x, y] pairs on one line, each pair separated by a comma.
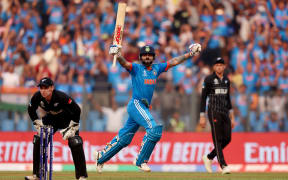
[[162, 67], [134, 68]]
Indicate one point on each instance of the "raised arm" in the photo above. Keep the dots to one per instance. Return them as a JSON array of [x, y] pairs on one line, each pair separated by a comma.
[[194, 49], [178, 60], [115, 50], [124, 63]]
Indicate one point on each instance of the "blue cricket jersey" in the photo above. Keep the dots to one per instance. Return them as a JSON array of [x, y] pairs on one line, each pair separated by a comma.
[[144, 80]]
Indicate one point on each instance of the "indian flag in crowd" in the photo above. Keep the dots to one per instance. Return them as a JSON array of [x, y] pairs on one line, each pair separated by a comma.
[[15, 98]]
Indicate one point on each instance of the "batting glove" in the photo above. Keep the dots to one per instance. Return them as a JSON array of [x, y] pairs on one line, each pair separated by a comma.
[[194, 49], [115, 50], [70, 130], [37, 125]]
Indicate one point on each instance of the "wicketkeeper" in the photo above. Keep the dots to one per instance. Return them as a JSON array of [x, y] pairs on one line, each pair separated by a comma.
[[62, 113]]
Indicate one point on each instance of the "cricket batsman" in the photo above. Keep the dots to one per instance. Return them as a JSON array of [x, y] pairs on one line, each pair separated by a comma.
[[61, 112], [144, 79]]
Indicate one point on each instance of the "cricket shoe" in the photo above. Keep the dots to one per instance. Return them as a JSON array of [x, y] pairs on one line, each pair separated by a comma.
[[207, 163], [34, 177], [143, 167], [226, 170], [97, 156], [82, 178]]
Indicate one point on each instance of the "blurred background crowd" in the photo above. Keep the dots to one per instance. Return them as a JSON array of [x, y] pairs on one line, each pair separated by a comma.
[[68, 40]]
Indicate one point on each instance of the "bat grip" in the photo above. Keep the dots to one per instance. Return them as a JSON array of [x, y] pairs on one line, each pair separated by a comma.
[[114, 60]]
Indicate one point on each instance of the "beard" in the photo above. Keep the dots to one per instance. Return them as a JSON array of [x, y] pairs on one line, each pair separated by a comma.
[[147, 62]]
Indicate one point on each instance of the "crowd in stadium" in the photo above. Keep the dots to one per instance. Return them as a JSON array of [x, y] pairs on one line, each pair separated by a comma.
[[68, 41]]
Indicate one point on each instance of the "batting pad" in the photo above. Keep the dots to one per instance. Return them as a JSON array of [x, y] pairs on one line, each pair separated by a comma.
[[113, 148], [149, 141]]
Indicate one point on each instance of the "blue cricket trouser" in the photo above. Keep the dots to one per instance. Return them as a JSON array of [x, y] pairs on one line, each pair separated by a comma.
[[139, 115]]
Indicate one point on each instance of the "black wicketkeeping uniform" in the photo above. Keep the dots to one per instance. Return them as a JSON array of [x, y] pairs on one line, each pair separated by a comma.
[[218, 92], [59, 112]]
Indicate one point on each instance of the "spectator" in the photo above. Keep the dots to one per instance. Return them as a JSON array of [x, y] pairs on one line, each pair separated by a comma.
[[51, 58], [115, 116], [29, 76], [283, 81], [250, 79], [239, 121], [241, 101], [81, 91], [122, 88], [272, 123], [176, 124], [9, 77], [36, 57], [183, 107], [167, 99], [62, 84]]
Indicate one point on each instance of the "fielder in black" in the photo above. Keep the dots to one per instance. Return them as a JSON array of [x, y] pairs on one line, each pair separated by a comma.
[[62, 113], [220, 114]]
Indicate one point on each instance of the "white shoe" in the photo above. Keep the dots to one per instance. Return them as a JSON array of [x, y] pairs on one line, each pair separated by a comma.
[[97, 156], [34, 177], [144, 167], [82, 178], [226, 170], [207, 163]]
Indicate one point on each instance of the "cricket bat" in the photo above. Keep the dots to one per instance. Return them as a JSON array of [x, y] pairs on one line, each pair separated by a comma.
[[118, 32]]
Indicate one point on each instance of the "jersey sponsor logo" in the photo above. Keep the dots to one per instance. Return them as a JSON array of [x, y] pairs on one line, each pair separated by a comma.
[[144, 73], [154, 72], [221, 91], [216, 81], [69, 101], [149, 81], [42, 104]]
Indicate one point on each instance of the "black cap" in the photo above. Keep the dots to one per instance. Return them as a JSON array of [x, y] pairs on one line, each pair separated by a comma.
[[219, 60], [46, 81], [147, 50]]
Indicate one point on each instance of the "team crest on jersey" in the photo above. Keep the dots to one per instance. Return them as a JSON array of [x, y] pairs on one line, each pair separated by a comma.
[[144, 73], [42, 104], [56, 104], [216, 81], [154, 72]]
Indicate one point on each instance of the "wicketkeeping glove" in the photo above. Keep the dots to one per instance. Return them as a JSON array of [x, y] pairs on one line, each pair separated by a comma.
[[37, 125], [115, 50], [70, 130], [194, 49]]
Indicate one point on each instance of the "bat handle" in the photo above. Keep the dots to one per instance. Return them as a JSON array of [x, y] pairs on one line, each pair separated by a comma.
[[114, 60]]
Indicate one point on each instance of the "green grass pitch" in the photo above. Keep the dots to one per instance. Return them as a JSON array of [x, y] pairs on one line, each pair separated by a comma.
[[8, 175]]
